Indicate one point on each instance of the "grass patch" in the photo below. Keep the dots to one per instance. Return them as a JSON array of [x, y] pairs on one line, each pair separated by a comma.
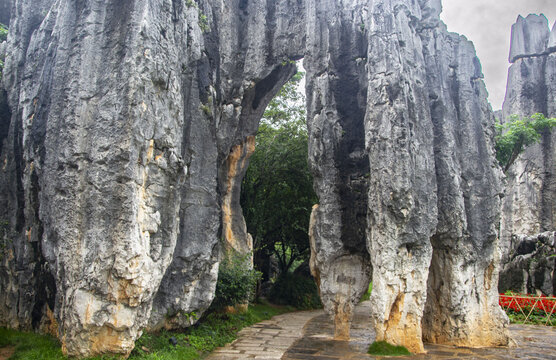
[[212, 331], [366, 296], [534, 319], [30, 345], [382, 348]]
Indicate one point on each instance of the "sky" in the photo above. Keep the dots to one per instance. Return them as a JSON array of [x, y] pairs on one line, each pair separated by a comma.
[[488, 24]]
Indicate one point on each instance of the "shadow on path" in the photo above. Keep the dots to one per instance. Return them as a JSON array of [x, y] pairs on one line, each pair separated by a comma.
[[308, 335], [532, 342]]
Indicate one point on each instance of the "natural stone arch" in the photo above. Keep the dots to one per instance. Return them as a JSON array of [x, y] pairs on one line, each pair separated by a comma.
[[123, 165]]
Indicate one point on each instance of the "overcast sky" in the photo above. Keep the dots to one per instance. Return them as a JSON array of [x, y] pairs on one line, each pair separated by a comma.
[[488, 24]]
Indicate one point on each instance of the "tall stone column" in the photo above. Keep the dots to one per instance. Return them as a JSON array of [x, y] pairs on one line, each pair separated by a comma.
[[336, 98], [402, 190]]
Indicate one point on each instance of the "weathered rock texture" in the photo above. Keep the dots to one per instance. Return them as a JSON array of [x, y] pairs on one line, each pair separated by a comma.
[[336, 100], [129, 127], [409, 149], [529, 205], [530, 265]]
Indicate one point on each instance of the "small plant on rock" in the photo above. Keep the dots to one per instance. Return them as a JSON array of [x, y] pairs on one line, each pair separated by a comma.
[[382, 348]]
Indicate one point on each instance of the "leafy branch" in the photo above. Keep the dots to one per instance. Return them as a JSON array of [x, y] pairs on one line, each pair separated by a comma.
[[3, 37], [513, 137]]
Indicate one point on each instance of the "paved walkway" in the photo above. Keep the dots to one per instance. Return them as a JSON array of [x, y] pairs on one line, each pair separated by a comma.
[[308, 335], [269, 339]]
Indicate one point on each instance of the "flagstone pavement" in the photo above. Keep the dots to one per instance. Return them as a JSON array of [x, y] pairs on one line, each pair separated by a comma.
[[308, 335]]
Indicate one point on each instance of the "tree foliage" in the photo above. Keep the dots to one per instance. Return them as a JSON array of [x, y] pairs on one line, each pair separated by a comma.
[[3, 32], [3, 37], [277, 192], [513, 137]]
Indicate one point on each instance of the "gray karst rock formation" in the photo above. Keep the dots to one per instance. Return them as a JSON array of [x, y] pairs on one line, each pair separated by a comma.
[[129, 127], [5, 9], [129, 131], [529, 204], [428, 197], [531, 264]]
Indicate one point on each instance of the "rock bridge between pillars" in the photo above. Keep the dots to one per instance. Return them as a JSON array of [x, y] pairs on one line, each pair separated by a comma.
[[130, 125]]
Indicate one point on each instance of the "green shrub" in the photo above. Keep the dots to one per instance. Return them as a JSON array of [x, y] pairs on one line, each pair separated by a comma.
[[3, 37], [517, 134], [295, 290], [382, 348], [3, 32], [237, 281]]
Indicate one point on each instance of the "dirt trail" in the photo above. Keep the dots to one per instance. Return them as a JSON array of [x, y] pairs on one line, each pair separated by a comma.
[[6, 352]]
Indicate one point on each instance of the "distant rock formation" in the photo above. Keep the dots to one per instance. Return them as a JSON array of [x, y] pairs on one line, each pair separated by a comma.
[[531, 264], [5, 10], [529, 205], [130, 126]]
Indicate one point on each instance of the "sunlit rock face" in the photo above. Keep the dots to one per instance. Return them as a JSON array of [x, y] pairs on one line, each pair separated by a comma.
[[529, 205], [431, 188], [126, 128]]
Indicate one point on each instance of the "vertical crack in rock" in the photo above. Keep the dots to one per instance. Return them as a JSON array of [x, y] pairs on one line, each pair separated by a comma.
[[529, 205]]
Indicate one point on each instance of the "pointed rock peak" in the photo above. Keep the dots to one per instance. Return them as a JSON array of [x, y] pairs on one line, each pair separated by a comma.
[[431, 8], [529, 36], [552, 39]]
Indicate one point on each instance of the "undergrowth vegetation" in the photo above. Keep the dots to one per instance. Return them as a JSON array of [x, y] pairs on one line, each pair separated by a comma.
[[295, 290], [366, 296], [30, 345], [237, 281], [3, 37]]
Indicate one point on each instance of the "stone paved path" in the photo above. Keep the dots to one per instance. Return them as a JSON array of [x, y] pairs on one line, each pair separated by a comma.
[[268, 339], [308, 335]]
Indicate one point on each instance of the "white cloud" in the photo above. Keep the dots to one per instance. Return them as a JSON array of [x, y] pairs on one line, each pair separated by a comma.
[[488, 24]]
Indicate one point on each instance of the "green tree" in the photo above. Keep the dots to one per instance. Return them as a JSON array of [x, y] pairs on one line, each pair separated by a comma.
[[3, 37], [513, 137], [277, 192]]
